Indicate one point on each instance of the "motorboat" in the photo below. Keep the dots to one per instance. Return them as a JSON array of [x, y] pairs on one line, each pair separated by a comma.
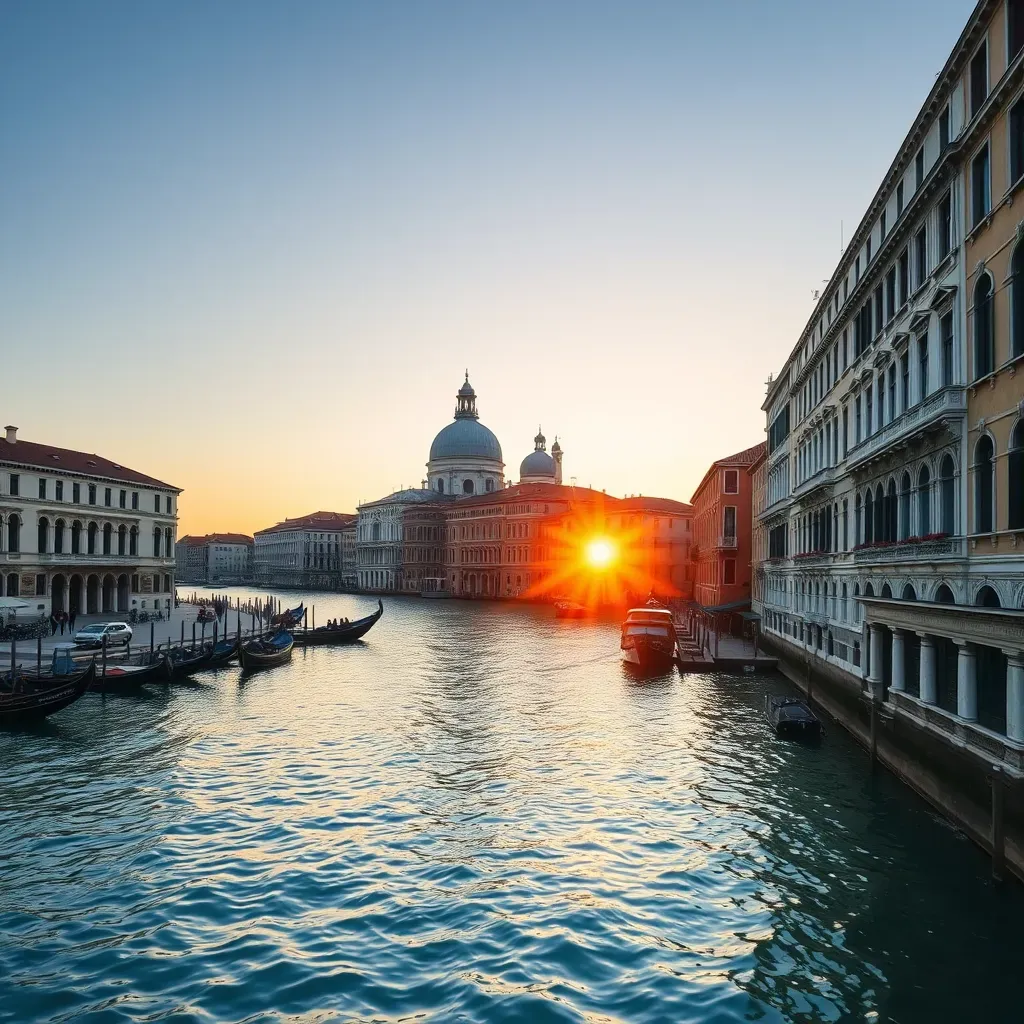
[[648, 640], [791, 718]]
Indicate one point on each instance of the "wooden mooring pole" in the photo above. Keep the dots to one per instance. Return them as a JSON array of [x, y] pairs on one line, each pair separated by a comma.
[[39, 655], [874, 732]]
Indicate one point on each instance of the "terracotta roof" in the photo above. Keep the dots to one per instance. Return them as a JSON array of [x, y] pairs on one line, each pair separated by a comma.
[[63, 460], [641, 503], [314, 521], [747, 457], [216, 538]]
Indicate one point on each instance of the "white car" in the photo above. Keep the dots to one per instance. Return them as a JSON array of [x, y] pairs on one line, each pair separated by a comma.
[[115, 632]]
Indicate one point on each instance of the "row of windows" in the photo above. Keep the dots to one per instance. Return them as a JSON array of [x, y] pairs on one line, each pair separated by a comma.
[[43, 485]]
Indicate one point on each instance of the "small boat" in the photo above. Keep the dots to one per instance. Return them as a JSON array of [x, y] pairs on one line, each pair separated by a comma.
[[648, 640], [569, 610], [128, 677], [184, 661], [791, 718], [344, 633], [266, 652], [290, 617], [223, 651], [29, 700]]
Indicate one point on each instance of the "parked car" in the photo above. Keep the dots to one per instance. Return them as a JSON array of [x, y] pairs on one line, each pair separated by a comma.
[[93, 634]]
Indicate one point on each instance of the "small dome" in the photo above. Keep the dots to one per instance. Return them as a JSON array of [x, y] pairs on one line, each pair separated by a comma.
[[537, 463], [465, 438]]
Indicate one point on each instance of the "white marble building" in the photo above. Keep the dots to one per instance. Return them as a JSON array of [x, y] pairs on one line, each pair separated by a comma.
[[317, 550], [82, 533]]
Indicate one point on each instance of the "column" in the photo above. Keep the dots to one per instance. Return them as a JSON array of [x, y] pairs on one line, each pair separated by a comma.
[[875, 679], [928, 684], [898, 666], [967, 683], [1015, 696]]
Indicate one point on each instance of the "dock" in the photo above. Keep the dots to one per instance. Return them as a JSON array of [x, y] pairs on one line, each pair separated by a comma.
[[702, 650]]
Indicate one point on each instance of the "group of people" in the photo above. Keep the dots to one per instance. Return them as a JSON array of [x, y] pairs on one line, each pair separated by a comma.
[[61, 620], [336, 623]]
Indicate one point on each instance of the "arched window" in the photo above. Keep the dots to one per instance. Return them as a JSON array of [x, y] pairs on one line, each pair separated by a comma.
[[440, 486], [1015, 464], [168, 546], [856, 603], [1017, 302], [905, 506], [467, 486], [886, 591], [58, 536], [869, 517], [924, 502], [909, 593], [91, 534], [858, 537], [76, 538], [947, 494], [44, 535], [844, 603], [944, 595], [156, 541], [983, 455], [881, 517], [984, 327], [122, 538], [987, 598], [13, 539], [891, 509], [133, 541], [489, 486], [108, 533]]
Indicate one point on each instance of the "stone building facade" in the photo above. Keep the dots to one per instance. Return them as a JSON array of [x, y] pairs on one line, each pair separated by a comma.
[[316, 551]]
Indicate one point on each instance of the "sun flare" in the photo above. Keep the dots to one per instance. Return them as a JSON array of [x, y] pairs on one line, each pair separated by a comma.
[[600, 553]]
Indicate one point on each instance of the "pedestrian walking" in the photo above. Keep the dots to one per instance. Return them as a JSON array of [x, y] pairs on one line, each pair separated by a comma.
[[71, 619], [53, 624]]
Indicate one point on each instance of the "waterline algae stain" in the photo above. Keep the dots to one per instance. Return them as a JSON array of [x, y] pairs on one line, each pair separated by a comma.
[[477, 815]]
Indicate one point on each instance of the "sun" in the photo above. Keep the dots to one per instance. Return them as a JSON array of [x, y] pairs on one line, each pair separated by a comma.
[[600, 553]]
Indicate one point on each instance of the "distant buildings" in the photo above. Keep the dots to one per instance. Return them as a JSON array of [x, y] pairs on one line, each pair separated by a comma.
[[80, 533], [313, 551], [722, 521], [469, 533], [215, 558]]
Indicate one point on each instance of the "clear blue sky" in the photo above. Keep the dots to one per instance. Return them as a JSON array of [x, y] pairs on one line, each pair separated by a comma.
[[238, 240]]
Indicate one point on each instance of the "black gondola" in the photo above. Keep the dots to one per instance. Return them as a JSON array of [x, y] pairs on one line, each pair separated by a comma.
[[223, 652], [30, 701], [266, 652], [128, 677], [791, 718], [345, 633], [184, 661]]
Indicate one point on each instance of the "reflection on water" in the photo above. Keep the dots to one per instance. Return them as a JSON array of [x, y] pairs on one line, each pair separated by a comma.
[[477, 815]]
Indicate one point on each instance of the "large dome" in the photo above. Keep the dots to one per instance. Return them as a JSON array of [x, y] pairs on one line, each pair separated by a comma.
[[537, 463], [465, 438]]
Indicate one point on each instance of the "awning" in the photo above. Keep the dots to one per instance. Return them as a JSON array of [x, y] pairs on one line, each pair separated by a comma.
[[750, 617]]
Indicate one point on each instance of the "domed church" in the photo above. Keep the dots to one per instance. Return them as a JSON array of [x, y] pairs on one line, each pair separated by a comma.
[[465, 457], [540, 468]]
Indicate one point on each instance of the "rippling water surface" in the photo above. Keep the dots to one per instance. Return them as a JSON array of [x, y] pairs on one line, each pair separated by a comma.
[[476, 815]]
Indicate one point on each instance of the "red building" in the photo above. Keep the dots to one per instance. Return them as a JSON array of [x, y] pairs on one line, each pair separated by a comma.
[[722, 517]]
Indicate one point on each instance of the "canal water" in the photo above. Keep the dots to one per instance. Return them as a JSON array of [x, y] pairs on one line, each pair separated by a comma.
[[476, 815]]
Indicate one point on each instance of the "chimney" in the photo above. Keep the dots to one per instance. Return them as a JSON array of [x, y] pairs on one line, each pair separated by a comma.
[[12, 434]]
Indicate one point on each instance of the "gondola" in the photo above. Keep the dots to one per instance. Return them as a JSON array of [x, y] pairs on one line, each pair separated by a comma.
[[223, 652], [31, 701], [129, 677], [791, 718], [266, 652], [290, 617], [345, 633], [184, 661]]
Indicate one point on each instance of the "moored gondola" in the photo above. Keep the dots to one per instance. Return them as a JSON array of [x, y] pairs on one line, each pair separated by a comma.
[[30, 701], [185, 661], [128, 677], [345, 633], [266, 652], [791, 718], [223, 651]]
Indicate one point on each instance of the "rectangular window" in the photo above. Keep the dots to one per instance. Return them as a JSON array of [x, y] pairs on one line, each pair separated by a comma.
[[846, 428], [922, 359], [921, 256], [867, 252], [945, 218], [904, 278], [980, 187], [858, 420], [15, 483], [135, 583], [878, 309], [856, 269], [58, 488], [890, 294], [76, 493], [905, 374], [732, 481], [869, 410], [892, 391], [1017, 142], [946, 327], [919, 169], [135, 499], [42, 488], [107, 497], [899, 200], [156, 500], [881, 228], [944, 129], [123, 499], [92, 494], [979, 79], [41, 584], [729, 571], [729, 522]]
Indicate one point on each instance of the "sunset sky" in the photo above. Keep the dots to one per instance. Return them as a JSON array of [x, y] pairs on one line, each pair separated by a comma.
[[251, 248]]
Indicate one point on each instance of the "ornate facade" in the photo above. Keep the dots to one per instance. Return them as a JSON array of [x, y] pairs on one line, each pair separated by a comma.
[[316, 551]]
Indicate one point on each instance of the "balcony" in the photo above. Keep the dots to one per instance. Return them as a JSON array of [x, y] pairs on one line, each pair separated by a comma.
[[823, 478], [812, 557], [902, 551], [728, 543], [948, 403]]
